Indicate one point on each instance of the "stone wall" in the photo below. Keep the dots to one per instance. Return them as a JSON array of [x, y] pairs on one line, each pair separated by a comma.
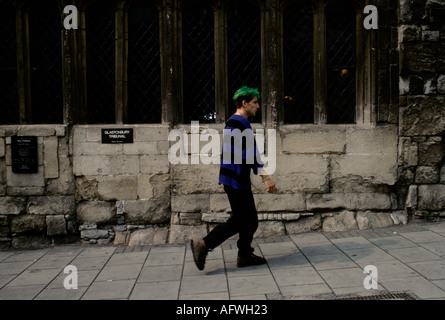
[[422, 107]]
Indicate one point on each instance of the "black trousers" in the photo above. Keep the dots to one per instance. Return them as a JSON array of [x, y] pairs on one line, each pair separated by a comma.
[[243, 220]]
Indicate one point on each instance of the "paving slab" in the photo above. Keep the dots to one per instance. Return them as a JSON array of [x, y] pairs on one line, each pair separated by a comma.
[[408, 258]]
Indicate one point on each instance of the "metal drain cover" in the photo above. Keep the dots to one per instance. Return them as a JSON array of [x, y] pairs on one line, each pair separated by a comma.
[[383, 295]]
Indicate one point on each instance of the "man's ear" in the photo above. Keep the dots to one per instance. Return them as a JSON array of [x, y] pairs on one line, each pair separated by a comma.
[[244, 103]]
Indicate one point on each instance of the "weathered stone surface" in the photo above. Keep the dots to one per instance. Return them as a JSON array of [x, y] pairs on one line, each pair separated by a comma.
[[56, 225], [86, 189], [215, 217], [219, 202], [399, 217], [30, 241], [121, 237], [431, 197], [51, 160], [431, 153], [149, 236], [65, 184], [2, 147], [424, 115], [416, 57], [298, 173], [280, 202], [117, 187], [427, 174], [25, 180], [91, 165], [146, 211], [154, 164], [12, 205], [190, 179], [99, 212], [326, 139], [190, 218], [305, 224], [182, 234], [94, 234], [370, 220], [408, 152], [190, 203], [270, 229], [374, 168], [411, 199], [380, 140], [442, 174], [441, 84], [350, 201], [343, 221], [51, 205], [26, 223]]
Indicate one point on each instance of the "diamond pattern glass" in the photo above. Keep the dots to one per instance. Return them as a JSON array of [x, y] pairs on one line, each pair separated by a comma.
[[144, 64], [46, 63], [298, 64], [9, 107], [244, 50], [100, 32], [198, 63], [341, 87]]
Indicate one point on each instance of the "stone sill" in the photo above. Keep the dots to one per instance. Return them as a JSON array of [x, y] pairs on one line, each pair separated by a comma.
[[39, 130]]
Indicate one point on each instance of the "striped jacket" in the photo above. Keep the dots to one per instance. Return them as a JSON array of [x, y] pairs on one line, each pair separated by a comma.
[[239, 154]]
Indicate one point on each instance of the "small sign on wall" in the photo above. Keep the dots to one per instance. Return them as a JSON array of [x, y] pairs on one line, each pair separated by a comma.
[[110, 136], [24, 154]]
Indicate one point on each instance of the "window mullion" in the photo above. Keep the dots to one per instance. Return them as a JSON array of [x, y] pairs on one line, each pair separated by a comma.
[[320, 66]]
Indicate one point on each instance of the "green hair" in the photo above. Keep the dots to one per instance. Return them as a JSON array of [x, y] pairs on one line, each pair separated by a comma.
[[246, 92]]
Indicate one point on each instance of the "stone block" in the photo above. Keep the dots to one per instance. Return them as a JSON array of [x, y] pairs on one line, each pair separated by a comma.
[[431, 153], [326, 139], [145, 133], [215, 217], [91, 165], [372, 140], [424, 115], [411, 199], [117, 187], [370, 220], [94, 234], [298, 173], [442, 174], [124, 165], [149, 236], [399, 217], [154, 164], [96, 149], [303, 225], [219, 202], [25, 179], [27, 223], [56, 225], [441, 84], [182, 234], [408, 152], [344, 221], [409, 33], [270, 229], [12, 205], [190, 218], [350, 201], [146, 211], [51, 205], [141, 148], [2, 147], [190, 203], [190, 179], [427, 174], [431, 197], [65, 184], [98, 212], [375, 168], [281, 202], [121, 237], [50, 157]]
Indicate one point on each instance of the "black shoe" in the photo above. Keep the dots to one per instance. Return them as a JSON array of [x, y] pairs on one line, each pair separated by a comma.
[[251, 260], [199, 251]]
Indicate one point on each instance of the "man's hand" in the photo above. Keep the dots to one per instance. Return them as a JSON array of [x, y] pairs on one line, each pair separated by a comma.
[[270, 186]]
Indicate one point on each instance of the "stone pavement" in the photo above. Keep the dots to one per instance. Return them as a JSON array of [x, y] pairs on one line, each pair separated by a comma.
[[409, 258]]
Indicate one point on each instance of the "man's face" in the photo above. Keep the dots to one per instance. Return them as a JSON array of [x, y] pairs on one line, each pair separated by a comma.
[[251, 107]]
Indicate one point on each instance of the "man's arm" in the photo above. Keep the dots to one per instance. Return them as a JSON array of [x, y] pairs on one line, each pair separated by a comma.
[[267, 180]]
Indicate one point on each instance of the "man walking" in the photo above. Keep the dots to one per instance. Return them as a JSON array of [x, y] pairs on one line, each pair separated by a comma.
[[238, 159]]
